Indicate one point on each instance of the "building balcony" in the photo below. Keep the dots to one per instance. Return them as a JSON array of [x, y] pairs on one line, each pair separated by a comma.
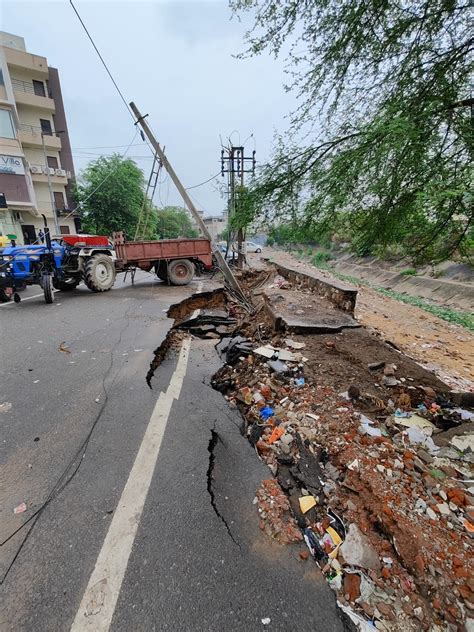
[[24, 93], [37, 65], [30, 136]]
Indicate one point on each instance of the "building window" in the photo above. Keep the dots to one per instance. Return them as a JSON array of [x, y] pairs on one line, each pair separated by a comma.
[[46, 127], [64, 230], [59, 200], [6, 124], [38, 87], [2, 81], [53, 162]]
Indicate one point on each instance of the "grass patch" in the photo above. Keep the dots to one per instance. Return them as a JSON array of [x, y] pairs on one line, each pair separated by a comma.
[[408, 272], [445, 313]]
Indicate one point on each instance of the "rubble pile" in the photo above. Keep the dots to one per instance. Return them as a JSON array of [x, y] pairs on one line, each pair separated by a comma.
[[378, 481]]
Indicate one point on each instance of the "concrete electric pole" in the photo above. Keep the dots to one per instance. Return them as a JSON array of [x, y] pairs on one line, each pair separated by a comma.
[[231, 280]]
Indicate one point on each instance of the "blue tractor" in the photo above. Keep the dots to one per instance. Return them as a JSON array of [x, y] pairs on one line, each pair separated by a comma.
[[60, 263]]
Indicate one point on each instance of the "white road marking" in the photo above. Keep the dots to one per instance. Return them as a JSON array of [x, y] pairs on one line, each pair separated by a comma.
[[100, 597], [28, 298]]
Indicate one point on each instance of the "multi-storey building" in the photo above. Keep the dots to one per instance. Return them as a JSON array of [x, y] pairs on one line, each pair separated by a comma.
[[36, 167]]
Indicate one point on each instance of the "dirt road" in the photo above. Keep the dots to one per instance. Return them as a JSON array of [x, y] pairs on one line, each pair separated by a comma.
[[445, 348]]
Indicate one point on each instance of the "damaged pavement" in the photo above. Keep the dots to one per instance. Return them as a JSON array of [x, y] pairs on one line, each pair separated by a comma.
[[238, 576], [370, 456], [308, 478]]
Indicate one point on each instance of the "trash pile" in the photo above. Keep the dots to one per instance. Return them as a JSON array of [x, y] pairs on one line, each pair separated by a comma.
[[383, 500]]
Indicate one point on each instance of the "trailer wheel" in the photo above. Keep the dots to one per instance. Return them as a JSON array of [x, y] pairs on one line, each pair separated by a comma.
[[66, 286], [47, 284], [180, 271], [99, 273], [4, 297], [162, 271]]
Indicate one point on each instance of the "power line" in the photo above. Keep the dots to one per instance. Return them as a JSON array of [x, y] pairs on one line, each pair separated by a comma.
[[195, 186], [102, 60], [108, 71], [101, 183]]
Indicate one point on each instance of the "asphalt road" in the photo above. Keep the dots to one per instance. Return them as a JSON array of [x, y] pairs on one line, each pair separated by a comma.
[[149, 522]]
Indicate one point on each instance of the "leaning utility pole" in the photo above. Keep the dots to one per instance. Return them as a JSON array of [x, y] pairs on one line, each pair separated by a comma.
[[236, 163], [231, 280]]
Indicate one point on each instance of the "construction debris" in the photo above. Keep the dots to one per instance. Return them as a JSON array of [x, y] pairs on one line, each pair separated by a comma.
[[372, 464]]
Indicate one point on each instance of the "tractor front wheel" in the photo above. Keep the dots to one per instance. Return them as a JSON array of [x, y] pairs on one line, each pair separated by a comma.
[[47, 285], [99, 273]]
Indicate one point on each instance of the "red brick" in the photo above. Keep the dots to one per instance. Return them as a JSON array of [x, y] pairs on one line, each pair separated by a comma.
[[352, 586]]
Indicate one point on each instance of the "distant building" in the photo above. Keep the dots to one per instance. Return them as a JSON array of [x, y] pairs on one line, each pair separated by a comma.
[[34, 144], [215, 224]]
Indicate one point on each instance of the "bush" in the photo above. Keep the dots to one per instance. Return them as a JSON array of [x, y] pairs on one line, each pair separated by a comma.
[[321, 257]]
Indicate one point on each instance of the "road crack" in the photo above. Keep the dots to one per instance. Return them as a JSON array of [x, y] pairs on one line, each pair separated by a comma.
[[213, 441]]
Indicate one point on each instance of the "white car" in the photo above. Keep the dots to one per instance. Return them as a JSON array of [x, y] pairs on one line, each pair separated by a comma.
[[251, 246]]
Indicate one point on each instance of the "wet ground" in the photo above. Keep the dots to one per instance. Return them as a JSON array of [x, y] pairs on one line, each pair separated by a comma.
[[139, 501]]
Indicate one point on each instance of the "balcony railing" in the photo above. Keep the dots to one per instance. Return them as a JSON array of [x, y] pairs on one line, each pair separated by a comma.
[[23, 86], [26, 86], [33, 129], [37, 131]]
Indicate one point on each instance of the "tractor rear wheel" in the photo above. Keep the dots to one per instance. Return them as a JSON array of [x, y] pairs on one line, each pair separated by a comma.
[[180, 271], [99, 273], [66, 285], [47, 285]]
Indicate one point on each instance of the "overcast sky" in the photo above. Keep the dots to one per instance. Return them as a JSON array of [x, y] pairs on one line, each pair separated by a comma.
[[175, 60]]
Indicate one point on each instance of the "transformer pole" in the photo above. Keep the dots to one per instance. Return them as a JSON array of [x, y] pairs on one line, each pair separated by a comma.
[[235, 163]]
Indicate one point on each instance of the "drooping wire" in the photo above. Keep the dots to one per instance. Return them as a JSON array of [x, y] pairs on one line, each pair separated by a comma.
[[73, 465], [195, 186], [102, 182], [120, 93], [102, 60]]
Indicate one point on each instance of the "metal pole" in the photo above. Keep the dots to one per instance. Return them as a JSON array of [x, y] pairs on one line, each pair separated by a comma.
[[53, 203], [232, 281]]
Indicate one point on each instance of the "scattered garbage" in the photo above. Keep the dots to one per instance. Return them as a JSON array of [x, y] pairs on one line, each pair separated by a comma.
[[278, 366], [293, 344], [266, 621], [307, 503], [62, 347], [5, 407], [376, 480], [21, 508]]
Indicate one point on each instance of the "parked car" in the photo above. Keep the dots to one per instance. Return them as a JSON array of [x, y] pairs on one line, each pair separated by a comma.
[[251, 246]]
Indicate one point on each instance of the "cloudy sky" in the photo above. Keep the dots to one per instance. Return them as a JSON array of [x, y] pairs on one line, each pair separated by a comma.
[[176, 61]]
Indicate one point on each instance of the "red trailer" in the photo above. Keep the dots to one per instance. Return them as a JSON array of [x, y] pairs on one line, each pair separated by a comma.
[[173, 260]]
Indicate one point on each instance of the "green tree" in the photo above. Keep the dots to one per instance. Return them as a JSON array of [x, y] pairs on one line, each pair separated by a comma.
[[111, 195], [173, 222], [384, 96]]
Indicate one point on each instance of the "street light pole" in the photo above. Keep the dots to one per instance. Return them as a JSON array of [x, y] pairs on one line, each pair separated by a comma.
[[53, 203]]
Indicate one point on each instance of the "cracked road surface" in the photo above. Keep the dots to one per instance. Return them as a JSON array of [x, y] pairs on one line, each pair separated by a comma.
[[151, 525]]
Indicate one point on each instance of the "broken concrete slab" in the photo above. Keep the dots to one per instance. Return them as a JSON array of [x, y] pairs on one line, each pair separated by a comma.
[[314, 315], [358, 551], [342, 295]]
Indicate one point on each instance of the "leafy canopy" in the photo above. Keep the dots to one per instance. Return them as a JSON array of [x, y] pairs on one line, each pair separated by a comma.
[[174, 222], [111, 194], [386, 114]]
